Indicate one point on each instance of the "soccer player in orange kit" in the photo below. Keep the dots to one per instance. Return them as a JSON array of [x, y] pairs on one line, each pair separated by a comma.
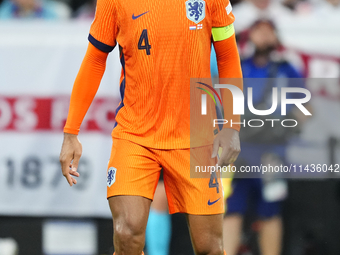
[[162, 45]]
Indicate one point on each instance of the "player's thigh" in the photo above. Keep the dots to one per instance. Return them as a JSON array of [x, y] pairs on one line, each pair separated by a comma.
[[206, 233], [160, 202]]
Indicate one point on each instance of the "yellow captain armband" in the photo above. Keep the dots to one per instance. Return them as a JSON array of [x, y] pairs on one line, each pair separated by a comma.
[[222, 33]]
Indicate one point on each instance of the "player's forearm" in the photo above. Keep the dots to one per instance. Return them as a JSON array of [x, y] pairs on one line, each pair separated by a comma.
[[229, 69], [85, 87]]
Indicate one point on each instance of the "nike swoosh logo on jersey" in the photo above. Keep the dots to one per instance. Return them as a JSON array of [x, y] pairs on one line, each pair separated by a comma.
[[213, 202], [136, 17]]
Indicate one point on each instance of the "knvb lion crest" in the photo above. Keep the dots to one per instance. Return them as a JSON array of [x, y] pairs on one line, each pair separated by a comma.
[[111, 176], [195, 10]]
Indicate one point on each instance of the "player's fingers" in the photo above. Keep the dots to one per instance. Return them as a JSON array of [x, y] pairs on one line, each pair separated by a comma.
[[225, 157], [216, 145], [235, 155], [230, 156], [69, 179], [76, 158], [65, 161], [74, 181], [74, 173], [235, 152]]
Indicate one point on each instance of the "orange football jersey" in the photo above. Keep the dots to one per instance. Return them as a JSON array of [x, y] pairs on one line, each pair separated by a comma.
[[163, 44]]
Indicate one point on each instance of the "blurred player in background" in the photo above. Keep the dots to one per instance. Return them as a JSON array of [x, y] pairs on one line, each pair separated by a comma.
[[33, 9], [162, 45], [261, 147]]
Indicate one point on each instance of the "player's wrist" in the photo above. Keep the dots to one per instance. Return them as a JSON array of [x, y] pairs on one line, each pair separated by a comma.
[[70, 135], [70, 131]]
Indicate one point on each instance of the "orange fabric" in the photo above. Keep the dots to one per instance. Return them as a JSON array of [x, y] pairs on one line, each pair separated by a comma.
[[159, 55], [105, 25], [85, 87], [155, 110], [229, 69], [137, 170]]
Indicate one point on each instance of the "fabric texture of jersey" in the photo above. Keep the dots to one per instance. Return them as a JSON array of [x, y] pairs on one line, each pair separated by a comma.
[[163, 44]]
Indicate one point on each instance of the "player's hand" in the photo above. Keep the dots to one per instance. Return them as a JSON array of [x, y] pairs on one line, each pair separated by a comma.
[[228, 139], [69, 157]]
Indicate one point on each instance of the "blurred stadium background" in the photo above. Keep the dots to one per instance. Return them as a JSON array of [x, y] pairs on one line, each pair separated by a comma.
[[42, 44]]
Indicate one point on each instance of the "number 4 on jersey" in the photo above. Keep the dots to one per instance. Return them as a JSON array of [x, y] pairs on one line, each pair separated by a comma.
[[144, 38]]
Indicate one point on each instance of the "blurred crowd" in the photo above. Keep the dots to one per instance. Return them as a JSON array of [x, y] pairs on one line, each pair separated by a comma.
[[252, 9], [46, 9]]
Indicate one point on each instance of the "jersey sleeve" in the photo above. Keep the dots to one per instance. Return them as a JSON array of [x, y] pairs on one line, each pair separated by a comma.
[[229, 69], [85, 87], [222, 15], [104, 28]]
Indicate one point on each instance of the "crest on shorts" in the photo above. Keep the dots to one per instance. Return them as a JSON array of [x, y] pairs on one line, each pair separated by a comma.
[[195, 10], [111, 176]]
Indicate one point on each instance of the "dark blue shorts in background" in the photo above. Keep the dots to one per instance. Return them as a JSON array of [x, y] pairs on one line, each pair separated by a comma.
[[246, 189]]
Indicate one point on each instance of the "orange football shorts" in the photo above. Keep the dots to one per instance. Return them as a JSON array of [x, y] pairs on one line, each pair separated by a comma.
[[134, 170]]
